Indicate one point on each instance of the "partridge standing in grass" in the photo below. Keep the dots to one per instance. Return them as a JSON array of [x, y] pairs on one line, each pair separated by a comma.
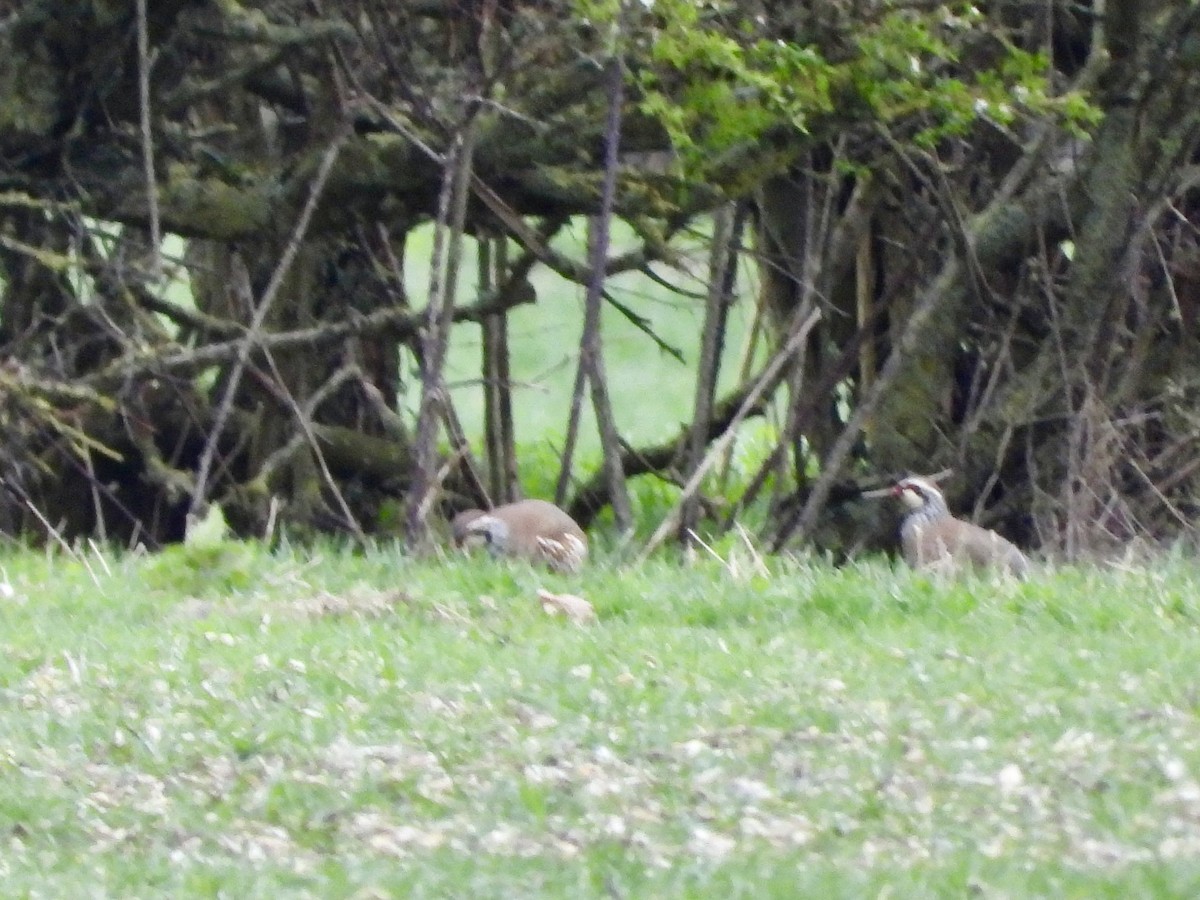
[[933, 539], [528, 529]]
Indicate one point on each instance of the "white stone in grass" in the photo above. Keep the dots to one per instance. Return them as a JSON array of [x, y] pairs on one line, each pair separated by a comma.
[[614, 827], [693, 748], [1174, 769], [712, 844], [1010, 778], [1188, 793], [751, 789], [500, 839], [1182, 847], [923, 804], [1075, 742]]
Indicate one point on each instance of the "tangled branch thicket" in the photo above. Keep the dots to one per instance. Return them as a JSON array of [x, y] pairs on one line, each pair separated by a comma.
[[992, 215]]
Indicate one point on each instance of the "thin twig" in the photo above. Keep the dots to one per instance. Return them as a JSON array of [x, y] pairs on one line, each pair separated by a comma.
[[50, 529], [831, 466], [782, 358], [722, 268], [93, 489], [144, 64], [254, 332], [304, 420], [443, 275], [591, 345]]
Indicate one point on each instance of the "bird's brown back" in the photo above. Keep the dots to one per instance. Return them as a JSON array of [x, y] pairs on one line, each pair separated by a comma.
[[529, 520], [529, 529]]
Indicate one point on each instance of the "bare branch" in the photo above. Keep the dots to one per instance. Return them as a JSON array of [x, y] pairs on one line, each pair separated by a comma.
[[452, 210], [254, 332], [782, 358], [144, 65]]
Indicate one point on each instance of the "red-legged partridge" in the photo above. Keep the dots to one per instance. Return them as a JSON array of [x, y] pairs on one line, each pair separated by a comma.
[[528, 529], [933, 539]]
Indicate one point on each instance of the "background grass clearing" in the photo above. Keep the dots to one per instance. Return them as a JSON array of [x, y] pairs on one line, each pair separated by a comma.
[[652, 392]]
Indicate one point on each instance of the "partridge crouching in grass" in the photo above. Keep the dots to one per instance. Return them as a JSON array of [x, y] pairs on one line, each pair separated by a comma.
[[533, 530], [934, 540]]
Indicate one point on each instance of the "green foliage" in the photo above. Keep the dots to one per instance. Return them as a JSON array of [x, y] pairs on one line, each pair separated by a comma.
[[718, 80], [716, 88], [912, 68]]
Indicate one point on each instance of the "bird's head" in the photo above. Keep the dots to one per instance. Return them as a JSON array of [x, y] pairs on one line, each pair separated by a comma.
[[474, 527], [917, 493]]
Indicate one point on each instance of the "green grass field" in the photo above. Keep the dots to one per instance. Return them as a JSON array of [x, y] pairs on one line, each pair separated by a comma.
[[320, 723]]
